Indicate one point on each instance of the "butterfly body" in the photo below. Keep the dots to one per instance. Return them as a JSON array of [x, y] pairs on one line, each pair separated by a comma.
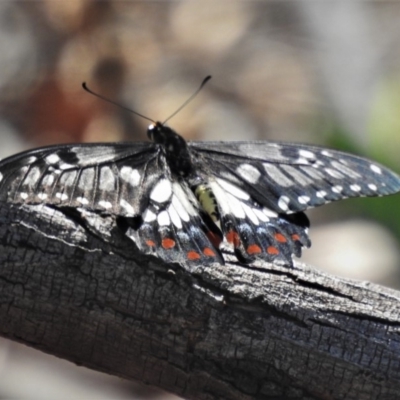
[[180, 200]]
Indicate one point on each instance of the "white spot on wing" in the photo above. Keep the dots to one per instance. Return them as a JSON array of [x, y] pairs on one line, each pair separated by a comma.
[[32, 177], [248, 172], [337, 189], [52, 159], [48, 180], [162, 191], [178, 207], [303, 199], [86, 179], [318, 164], [372, 187], [31, 159], [174, 217], [235, 206], [24, 195], [321, 194], [355, 188], [127, 207], [221, 197], [298, 177], [269, 213], [1, 176], [82, 200], [345, 170], [61, 196], [181, 202], [315, 173], [277, 175], [260, 215], [130, 175], [66, 166], [149, 216], [334, 173], [250, 214], [107, 179], [306, 153], [105, 204], [42, 196], [234, 190], [283, 203], [376, 169], [163, 218], [269, 151], [68, 178]]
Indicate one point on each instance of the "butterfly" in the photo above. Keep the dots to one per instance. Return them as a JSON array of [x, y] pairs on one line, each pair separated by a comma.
[[179, 201]]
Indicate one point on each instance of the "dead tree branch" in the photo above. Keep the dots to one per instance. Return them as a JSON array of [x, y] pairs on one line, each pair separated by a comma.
[[221, 332]]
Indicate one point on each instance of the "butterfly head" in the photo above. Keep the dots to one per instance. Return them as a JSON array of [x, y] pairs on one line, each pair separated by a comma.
[[174, 146], [166, 137], [156, 132]]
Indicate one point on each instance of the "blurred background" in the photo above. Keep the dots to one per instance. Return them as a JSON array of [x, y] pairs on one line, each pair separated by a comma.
[[325, 73]]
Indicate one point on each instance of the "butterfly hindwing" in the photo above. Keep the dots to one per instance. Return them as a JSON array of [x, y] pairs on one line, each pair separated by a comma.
[[256, 231], [173, 228]]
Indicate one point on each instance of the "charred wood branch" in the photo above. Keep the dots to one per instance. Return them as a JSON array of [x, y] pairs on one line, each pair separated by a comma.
[[221, 332]]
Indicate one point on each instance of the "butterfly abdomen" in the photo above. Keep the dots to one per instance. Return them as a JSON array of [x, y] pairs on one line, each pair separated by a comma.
[[207, 199]]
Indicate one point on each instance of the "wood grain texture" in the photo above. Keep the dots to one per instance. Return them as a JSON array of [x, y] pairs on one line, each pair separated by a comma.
[[222, 332]]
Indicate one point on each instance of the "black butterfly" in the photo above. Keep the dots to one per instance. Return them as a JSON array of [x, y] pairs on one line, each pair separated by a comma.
[[179, 200]]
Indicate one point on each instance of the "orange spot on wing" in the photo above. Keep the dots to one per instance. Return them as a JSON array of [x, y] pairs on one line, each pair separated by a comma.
[[272, 250], [193, 255], [214, 239], [280, 238], [150, 243], [208, 252], [295, 236], [168, 243], [233, 237], [254, 249]]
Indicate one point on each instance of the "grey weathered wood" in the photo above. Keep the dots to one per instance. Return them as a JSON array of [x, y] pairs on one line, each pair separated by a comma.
[[221, 332]]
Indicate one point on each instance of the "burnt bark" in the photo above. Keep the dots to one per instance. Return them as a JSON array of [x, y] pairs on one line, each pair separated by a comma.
[[217, 332]]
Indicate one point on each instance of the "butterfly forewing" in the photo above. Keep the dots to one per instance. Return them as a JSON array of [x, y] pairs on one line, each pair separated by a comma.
[[289, 178], [107, 177]]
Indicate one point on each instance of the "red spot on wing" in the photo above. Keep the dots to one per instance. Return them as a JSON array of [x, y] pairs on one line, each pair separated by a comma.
[[150, 243], [280, 238], [208, 252], [233, 237], [272, 250], [295, 236], [168, 243], [193, 255], [254, 249]]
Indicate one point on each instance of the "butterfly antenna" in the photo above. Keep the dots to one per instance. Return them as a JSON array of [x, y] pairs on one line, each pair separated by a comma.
[[85, 87], [205, 80]]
